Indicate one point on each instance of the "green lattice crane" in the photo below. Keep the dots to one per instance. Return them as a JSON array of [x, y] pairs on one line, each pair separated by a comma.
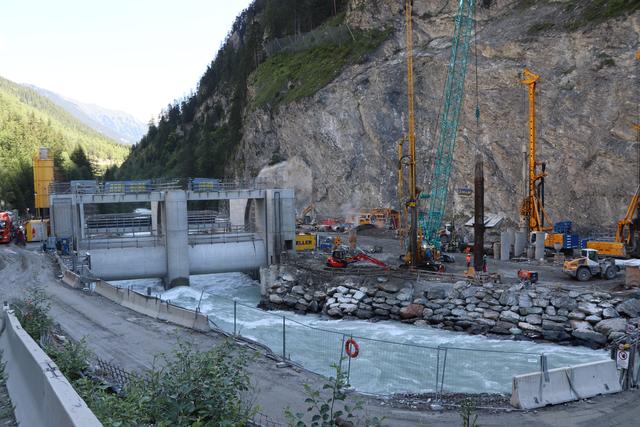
[[449, 119]]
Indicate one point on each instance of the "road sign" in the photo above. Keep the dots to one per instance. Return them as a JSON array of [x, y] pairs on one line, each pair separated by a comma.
[[622, 359]]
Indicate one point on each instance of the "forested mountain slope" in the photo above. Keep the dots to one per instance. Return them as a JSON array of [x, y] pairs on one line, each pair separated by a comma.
[[29, 121]]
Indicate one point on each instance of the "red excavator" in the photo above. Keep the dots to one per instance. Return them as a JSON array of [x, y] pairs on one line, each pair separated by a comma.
[[340, 258]]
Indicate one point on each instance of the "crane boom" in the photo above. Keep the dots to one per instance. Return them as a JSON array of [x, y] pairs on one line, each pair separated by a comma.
[[413, 193], [450, 116]]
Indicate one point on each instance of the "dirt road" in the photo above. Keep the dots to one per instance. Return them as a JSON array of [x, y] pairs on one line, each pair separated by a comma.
[[131, 340]]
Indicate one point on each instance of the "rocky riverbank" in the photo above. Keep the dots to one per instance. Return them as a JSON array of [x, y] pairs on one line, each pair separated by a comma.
[[539, 313]]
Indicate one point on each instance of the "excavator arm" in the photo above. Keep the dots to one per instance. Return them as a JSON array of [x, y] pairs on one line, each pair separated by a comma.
[[628, 222], [364, 257]]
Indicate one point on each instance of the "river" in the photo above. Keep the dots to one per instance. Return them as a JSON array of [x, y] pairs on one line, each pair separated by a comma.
[[394, 357]]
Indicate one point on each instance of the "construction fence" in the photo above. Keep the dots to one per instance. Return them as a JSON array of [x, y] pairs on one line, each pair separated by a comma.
[[382, 366]]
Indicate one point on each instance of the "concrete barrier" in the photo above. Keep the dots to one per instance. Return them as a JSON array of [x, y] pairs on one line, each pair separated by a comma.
[[71, 279], [561, 385], [153, 307], [42, 396]]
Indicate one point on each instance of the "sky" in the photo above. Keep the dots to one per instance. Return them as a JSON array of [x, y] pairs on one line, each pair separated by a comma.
[[135, 56]]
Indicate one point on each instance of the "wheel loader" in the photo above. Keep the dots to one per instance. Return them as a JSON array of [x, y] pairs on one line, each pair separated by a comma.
[[590, 265]]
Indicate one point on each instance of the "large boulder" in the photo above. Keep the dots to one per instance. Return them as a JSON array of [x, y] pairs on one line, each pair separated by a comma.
[[436, 292], [524, 301], [509, 316], [607, 326], [590, 337], [589, 308], [389, 287], [553, 335], [334, 312], [503, 328], [470, 291], [610, 313], [276, 299], [533, 319], [411, 311], [491, 314], [630, 307], [552, 326], [364, 314], [509, 298], [564, 302], [580, 324]]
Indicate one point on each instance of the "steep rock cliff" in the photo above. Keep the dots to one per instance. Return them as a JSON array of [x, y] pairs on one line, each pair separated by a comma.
[[347, 132]]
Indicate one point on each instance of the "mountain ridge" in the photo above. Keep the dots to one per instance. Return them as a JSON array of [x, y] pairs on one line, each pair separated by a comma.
[[114, 124]]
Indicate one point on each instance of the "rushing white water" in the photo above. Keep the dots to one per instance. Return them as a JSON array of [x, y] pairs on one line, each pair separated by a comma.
[[394, 357]]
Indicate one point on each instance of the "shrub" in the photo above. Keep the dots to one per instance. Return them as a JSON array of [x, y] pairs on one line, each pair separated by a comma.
[[33, 313]]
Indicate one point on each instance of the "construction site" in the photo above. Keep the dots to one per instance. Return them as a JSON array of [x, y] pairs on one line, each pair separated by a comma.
[[535, 319]]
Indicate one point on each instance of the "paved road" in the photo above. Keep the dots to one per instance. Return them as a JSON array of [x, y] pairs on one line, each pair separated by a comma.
[[132, 340]]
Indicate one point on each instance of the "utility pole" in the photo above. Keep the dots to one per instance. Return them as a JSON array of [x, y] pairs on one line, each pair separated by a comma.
[[478, 221]]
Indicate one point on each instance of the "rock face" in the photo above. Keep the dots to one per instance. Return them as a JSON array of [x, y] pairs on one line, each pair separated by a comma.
[[343, 138], [460, 306]]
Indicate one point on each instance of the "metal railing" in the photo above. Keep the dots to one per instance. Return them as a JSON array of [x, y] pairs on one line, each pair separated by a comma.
[[120, 221], [148, 186], [320, 36], [228, 234], [120, 243]]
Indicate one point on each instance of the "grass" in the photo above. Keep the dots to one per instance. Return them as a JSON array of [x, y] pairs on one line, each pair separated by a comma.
[[286, 77], [597, 11], [540, 27]]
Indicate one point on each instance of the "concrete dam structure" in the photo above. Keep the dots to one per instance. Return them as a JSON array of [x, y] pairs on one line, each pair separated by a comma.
[[180, 230]]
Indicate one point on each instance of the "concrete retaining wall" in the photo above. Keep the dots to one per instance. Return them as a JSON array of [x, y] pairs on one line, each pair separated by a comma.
[[129, 263], [153, 307], [222, 258], [565, 384], [41, 394]]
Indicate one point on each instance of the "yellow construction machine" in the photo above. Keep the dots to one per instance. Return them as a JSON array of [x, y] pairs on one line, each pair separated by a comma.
[[626, 242], [307, 217], [532, 209]]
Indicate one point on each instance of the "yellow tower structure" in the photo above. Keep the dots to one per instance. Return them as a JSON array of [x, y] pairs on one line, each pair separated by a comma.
[[42, 178]]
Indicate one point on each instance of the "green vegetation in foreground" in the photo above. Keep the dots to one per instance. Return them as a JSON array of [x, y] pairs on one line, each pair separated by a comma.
[[185, 388], [29, 121], [597, 11], [286, 77]]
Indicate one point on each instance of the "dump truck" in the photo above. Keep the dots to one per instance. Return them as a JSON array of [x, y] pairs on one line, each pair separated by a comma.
[[589, 265]]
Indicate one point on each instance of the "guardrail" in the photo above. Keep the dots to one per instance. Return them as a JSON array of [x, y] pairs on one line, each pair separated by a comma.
[[148, 186], [41, 394]]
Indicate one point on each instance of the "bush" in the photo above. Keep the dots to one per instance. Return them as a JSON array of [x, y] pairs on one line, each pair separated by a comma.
[[33, 313], [323, 412], [72, 358], [192, 388]]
